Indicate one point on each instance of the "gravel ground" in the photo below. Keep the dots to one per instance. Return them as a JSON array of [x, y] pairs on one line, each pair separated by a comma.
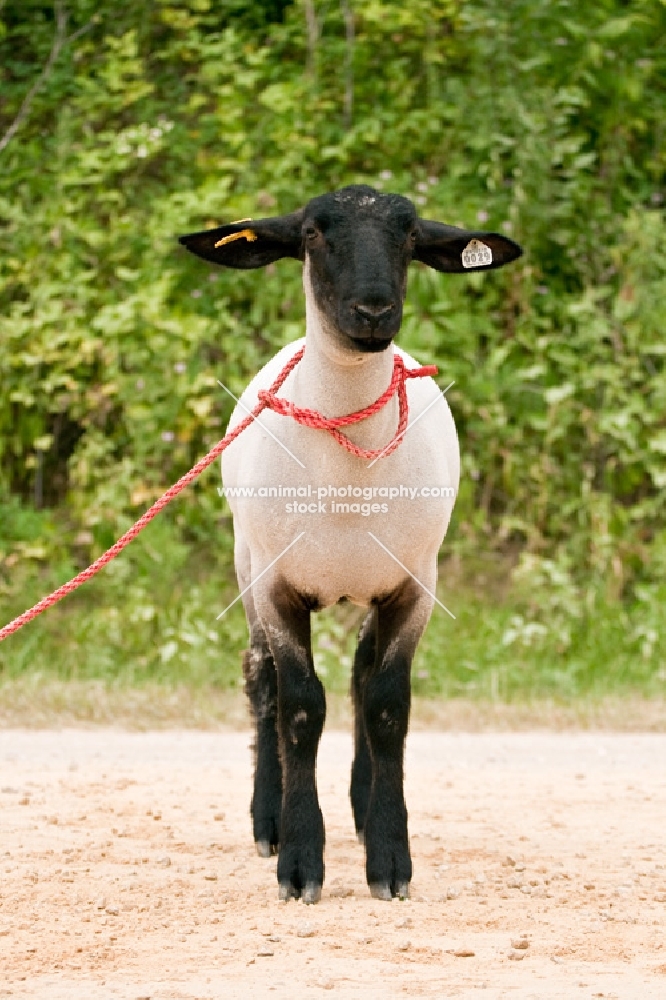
[[128, 872]]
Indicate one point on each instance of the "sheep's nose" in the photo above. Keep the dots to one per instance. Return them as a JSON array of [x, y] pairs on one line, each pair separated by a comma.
[[372, 312]]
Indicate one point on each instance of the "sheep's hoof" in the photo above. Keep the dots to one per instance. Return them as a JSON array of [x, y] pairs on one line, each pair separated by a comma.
[[265, 849], [381, 890], [387, 891], [402, 890], [311, 893]]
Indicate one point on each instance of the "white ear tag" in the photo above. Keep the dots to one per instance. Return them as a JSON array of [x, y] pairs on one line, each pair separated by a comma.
[[476, 254]]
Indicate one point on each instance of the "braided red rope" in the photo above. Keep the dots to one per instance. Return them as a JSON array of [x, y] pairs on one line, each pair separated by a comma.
[[267, 400]]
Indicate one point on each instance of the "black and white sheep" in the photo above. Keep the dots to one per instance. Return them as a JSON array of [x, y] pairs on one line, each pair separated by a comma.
[[356, 245]]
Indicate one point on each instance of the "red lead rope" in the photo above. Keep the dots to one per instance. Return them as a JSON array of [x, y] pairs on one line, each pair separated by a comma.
[[267, 400]]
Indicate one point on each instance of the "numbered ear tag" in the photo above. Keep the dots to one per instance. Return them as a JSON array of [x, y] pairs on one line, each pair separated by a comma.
[[476, 254]]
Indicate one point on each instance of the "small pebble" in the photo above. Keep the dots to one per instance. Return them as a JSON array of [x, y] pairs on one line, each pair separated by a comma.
[[305, 930], [164, 862], [113, 911], [265, 953], [520, 944], [464, 953], [326, 983], [218, 817], [406, 922], [101, 903], [404, 946], [516, 956], [210, 877], [340, 892]]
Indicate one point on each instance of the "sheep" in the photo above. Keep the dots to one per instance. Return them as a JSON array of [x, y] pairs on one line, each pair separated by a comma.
[[356, 245]]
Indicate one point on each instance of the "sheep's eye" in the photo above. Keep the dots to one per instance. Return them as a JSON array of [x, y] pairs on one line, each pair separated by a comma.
[[413, 237]]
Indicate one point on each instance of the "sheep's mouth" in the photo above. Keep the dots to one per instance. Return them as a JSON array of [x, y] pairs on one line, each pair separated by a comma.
[[371, 329], [371, 345]]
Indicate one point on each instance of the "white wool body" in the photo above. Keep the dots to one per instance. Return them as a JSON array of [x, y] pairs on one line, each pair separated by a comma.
[[336, 556]]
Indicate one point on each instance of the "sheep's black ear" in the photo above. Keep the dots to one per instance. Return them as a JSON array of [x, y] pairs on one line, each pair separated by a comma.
[[447, 248], [249, 243]]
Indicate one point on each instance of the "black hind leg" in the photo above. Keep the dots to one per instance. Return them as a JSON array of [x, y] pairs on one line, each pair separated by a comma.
[[361, 775], [261, 689]]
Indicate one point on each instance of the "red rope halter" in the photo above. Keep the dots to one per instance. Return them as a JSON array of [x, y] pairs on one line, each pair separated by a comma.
[[267, 400]]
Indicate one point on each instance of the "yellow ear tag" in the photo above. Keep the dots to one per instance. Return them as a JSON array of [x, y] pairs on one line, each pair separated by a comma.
[[244, 234]]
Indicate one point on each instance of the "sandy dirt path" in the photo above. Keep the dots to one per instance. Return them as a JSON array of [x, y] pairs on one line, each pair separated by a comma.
[[128, 871]]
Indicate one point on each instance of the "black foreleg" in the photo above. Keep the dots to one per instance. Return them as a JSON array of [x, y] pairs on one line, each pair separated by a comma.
[[301, 713], [385, 695]]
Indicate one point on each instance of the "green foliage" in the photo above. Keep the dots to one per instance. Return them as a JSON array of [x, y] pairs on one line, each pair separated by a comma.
[[152, 619], [544, 636], [542, 118]]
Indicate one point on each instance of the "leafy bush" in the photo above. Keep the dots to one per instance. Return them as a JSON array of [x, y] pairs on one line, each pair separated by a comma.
[[543, 119]]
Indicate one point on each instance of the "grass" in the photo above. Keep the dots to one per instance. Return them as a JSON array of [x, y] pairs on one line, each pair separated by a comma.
[[147, 627], [34, 702]]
